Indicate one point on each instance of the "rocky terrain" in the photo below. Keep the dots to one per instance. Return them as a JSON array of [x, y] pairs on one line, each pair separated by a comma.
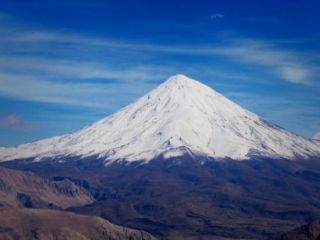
[[24, 197], [27, 224], [187, 199], [26, 189]]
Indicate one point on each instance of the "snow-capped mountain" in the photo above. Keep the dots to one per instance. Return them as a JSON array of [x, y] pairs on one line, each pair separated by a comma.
[[316, 137], [180, 116]]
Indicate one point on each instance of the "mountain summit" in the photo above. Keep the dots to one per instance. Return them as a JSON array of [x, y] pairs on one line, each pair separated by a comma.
[[181, 116]]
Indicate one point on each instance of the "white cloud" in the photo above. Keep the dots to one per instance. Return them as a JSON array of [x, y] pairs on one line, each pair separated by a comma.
[[295, 74], [284, 63]]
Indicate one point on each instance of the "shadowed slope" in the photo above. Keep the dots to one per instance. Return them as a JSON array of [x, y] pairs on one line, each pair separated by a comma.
[[306, 232]]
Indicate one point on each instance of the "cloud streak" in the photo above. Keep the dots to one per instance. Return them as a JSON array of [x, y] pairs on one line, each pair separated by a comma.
[[285, 64], [288, 65], [31, 88], [216, 16], [82, 70], [58, 68], [10, 120]]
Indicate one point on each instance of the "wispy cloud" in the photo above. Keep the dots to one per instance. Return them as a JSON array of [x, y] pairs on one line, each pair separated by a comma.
[[76, 69], [216, 16], [289, 65], [66, 68], [10, 120], [32, 88], [31, 69], [102, 74], [286, 64]]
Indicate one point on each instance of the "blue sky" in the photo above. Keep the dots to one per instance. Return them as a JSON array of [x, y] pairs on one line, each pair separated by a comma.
[[65, 64]]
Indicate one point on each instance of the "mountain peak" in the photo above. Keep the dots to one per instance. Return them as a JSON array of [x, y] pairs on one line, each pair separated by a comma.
[[181, 81], [178, 117], [182, 90]]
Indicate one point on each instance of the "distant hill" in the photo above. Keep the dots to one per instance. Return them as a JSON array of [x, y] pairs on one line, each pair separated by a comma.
[[23, 195], [26, 224], [26, 189]]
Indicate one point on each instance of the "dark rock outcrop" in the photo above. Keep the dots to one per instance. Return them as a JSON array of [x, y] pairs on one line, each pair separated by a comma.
[[306, 232]]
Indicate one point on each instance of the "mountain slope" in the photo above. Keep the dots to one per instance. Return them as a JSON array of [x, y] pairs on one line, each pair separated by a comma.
[[25, 189], [316, 136], [181, 116], [43, 224]]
